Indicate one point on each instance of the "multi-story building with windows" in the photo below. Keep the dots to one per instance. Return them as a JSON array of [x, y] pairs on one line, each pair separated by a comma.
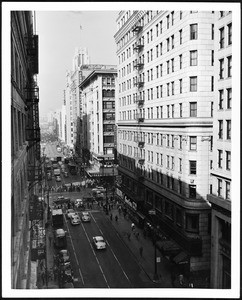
[[219, 195], [98, 117], [25, 146], [72, 94], [164, 115]]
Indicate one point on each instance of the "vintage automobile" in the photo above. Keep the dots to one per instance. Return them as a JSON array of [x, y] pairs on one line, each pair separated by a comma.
[[99, 242]]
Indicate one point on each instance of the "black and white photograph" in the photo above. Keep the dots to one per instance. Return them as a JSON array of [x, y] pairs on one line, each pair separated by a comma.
[[121, 149]]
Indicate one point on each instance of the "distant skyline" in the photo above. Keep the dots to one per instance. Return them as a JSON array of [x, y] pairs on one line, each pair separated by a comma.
[[60, 32]]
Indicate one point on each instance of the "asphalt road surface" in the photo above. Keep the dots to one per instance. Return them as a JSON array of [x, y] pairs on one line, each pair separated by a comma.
[[114, 267]]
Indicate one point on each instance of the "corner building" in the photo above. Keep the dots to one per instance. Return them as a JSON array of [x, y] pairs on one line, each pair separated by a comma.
[[219, 196], [164, 116]]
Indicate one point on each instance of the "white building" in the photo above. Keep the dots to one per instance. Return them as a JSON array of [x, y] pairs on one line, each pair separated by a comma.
[[164, 115]]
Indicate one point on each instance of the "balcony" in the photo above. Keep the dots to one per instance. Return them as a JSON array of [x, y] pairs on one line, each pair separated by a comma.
[[139, 118], [139, 65], [140, 101], [32, 94], [107, 145], [139, 84], [137, 28], [141, 144], [109, 121], [138, 47]]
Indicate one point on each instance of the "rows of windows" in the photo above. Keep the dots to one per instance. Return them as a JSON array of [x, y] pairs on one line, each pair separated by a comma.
[[222, 40], [162, 111], [223, 189], [160, 139], [108, 81], [18, 120], [164, 179]]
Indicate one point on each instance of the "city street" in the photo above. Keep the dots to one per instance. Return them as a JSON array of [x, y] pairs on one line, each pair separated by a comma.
[[114, 267]]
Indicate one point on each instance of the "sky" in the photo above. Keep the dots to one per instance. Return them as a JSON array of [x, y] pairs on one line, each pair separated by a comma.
[[60, 32]]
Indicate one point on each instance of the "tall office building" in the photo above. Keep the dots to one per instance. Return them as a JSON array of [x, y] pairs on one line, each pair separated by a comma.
[[165, 122], [72, 94], [98, 117], [25, 147], [219, 195]]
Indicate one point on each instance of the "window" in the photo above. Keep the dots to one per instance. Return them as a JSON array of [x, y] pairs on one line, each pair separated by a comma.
[[172, 18], [180, 82], [161, 91], [148, 37], [161, 70], [192, 223], [167, 161], [157, 51], [160, 48], [180, 165], [172, 65], [180, 109], [160, 26], [168, 44], [172, 88], [228, 160], [193, 109], [193, 167], [220, 129], [151, 35], [221, 37], [168, 66], [212, 83], [192, 191], [220, 187], [221, 99], [180, 61], [168, 207], [212, 58], [168, 89], [180, 14], [151, 54], [193, 84], [228, 129], [221, 68], [211, 109], [229, 98], [179, 186], [227, 190], [229, 34], [193, 31], [229, 66], [157, 29], [172, 41], [180, 142], [220, 158], [167, 140], [193, 143], [168, 21], [193, 58], [212, 31], [157, 92], [178, 216], [180, 36]]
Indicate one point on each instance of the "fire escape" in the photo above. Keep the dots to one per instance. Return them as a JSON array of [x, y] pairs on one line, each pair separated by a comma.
[[32, 107], [139, 83]]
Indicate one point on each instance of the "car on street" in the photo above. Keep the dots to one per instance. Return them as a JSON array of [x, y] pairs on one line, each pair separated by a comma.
[[71, 212], [98, 194], [86, 217], [75, 220], [63, 256], [79, 203], [60, 238], [99, 188], [65, 274], [99, 242], [66, 174]]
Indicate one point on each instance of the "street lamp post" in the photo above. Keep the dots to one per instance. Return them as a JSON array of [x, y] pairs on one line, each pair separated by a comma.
[[152, 212]]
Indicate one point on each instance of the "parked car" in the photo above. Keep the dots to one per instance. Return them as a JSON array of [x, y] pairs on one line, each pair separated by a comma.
[[99, 189], [99, 242], [66, 174], [86, 217], [70, 212], [63, 256], [65, 274], [75, 220], [60, 238]]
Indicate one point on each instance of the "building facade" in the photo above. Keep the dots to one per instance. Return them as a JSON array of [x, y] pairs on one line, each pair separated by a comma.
[[164, 115], [25, 147], [219, 195], [98, 116], [72, 94]]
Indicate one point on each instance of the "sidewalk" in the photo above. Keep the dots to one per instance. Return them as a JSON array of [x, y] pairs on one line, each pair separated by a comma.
[[147, 260]]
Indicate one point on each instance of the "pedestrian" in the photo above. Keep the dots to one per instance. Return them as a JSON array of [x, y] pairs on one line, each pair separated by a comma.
[[137, 235], [129, 235], [141, 251], [50, 239], [111, 217], [43, 277], [132, 226], [181, 279], [116, 218]]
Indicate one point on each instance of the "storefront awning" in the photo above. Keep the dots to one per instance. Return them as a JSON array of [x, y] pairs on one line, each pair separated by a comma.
[[168, 247], [181, 258]]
